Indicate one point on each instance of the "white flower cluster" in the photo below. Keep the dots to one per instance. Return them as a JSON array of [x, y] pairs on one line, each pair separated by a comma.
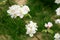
[[57, 36], [57, 1], [48, 25], [17, 10], [57, 21], [31, 28], [58, 11]]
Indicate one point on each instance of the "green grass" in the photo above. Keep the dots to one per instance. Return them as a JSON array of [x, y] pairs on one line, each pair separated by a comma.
[[41, 12]]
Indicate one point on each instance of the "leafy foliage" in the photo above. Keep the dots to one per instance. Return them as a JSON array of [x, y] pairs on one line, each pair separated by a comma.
[[42, 11]]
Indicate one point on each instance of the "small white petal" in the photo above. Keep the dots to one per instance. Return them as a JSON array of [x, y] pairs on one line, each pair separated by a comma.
[[57, 36], [56, 39], [48, 25], [57, 1], [31, 35], [57, 21], [58, 11]]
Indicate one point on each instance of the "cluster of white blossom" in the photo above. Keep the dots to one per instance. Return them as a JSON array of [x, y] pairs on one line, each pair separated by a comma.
[[57, 36], [48, 25], [58, 11], [31, 28], [17, 10], [57, 21], [57, 1]]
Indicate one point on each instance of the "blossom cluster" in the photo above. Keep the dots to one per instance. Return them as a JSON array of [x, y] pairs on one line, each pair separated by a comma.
[[31, 28], [57, 21], [17, 10], [58, 11], [57, 1], [48, 25], [57, 36]]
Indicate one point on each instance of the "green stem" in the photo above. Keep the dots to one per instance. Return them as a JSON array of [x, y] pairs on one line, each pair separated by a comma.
[[48, 29], [29, 15]]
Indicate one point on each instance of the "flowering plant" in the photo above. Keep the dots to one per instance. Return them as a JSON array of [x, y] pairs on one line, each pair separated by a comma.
[[31, 28], [16, 10], [48, 26], [39, 11]]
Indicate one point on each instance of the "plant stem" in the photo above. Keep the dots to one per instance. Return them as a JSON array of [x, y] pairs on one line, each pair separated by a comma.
[[29, 15]]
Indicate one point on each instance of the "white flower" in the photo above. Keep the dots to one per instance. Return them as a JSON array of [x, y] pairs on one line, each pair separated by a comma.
[[57, 1], [57, 21], [58, 11], [31, 28], [16, 10], [57, 36], [25, 9], [48, 25], [56, 39]]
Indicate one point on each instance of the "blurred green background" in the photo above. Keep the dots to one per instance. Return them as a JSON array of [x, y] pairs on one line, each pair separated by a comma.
[[42, 11]]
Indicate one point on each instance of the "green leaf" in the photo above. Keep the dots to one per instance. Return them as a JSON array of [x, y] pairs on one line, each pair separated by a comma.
[[3, 2], [50, 31], [44, 30], [28, 15]]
